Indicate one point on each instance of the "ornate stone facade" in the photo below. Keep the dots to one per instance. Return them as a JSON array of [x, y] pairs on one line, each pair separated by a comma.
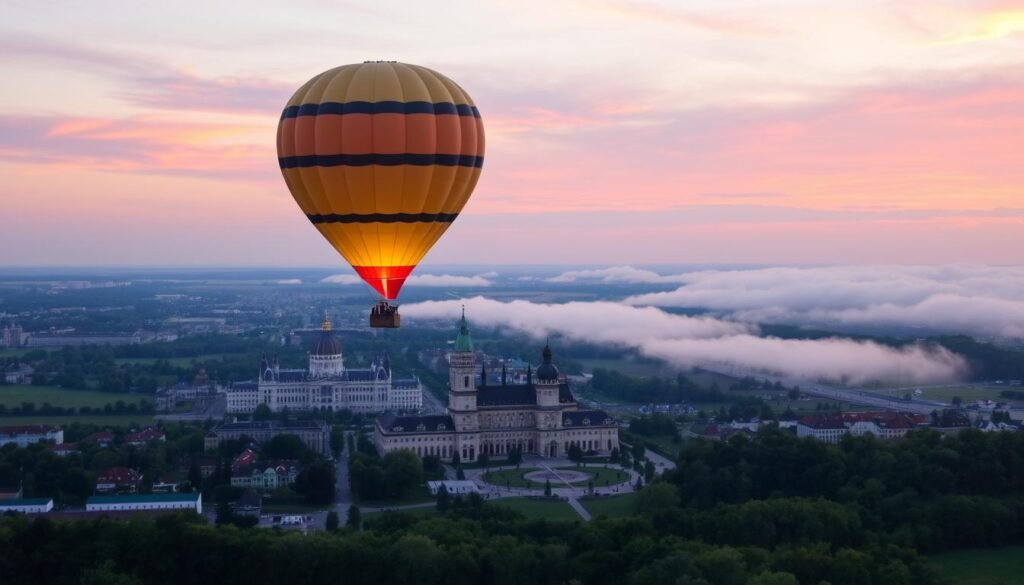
[[326, 385], [540, 417]]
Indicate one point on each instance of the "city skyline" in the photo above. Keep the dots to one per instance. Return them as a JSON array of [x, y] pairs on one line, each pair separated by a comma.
[[618, 132]]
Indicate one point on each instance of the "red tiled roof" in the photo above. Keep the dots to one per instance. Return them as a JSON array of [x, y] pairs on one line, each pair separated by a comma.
[[143, 436], [119, 475]]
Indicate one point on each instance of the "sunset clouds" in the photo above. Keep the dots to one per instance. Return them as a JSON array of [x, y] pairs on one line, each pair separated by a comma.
[[619, 131]]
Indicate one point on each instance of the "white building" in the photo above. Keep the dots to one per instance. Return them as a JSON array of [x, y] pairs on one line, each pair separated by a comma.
[[326, 385], [24, 435], [540, 417], [27, 506], [174, 501]]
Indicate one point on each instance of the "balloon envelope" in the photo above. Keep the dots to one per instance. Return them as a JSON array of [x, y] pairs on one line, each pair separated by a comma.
[[381, 157]]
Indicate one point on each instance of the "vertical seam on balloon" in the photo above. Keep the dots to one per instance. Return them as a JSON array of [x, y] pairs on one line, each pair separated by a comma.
[[348, 186], [395, 258], [409, 250], [344, 240], [373, 180]]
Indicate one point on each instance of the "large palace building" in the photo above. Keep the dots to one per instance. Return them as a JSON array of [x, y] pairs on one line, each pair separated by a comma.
[[326, 385], [540, 417]]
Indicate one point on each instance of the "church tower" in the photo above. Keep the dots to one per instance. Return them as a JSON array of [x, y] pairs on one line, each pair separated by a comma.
[[462, 372], [547, 381], [462, 394]]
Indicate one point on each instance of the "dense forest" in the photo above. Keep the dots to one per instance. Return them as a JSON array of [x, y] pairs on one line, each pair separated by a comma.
[[775, 510]]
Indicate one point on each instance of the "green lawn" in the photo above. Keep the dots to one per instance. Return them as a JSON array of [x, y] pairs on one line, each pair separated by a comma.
[[535, 508], [14, 395], [419, 496], [114, 420], [993, 566], [614, 475], [611, 506], [511, 477]]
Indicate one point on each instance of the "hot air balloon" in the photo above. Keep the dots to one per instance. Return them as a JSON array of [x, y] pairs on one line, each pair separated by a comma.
[[381, 157]]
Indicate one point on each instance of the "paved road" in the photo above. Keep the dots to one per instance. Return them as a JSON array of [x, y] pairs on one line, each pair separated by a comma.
[[344, 495], [432, 404]]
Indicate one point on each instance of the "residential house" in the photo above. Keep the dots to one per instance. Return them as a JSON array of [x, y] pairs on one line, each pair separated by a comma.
[[143, 437], [118, 480]]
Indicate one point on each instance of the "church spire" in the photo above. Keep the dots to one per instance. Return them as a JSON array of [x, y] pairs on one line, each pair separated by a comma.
[[463, 342], [326, 325]]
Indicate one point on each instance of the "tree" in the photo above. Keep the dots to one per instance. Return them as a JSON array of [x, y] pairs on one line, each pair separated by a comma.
[[286, 447], [337, 440], [957, 401], [793, 394], [355, 517], [443, 502], [614, 457], [648, 471], [195, 476], [515, 457], [656, 499], [639, 484], [547, 488], [639, 450], [403, 472], [484, 460], [262, 412], [575, 453], [456, 460], [225, 515], [332, 521], [317, 483], [459, 474]]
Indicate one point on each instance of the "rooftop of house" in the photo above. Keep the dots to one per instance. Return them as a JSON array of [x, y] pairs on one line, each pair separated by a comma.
[[144, 498], [25, 502]]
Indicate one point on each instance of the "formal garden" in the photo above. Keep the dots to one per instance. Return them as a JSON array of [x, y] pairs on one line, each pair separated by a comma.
[[539, 478]]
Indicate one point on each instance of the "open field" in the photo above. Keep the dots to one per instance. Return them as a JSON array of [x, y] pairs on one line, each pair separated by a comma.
[[114, 420], [629, 367], [992, 566], [14, 395], [612, 506], [536, 508]]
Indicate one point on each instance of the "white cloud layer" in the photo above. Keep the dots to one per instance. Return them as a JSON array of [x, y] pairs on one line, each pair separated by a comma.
[[435, 280], [617, 275], [290, 281], [980, 300], [691, 341]]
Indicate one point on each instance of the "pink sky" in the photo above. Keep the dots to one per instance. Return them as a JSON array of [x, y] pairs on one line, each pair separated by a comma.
[[619, 131]]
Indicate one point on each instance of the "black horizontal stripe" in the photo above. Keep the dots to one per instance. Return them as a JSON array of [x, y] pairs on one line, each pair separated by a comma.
[[386, 160], [389, 107], [382, 217]]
